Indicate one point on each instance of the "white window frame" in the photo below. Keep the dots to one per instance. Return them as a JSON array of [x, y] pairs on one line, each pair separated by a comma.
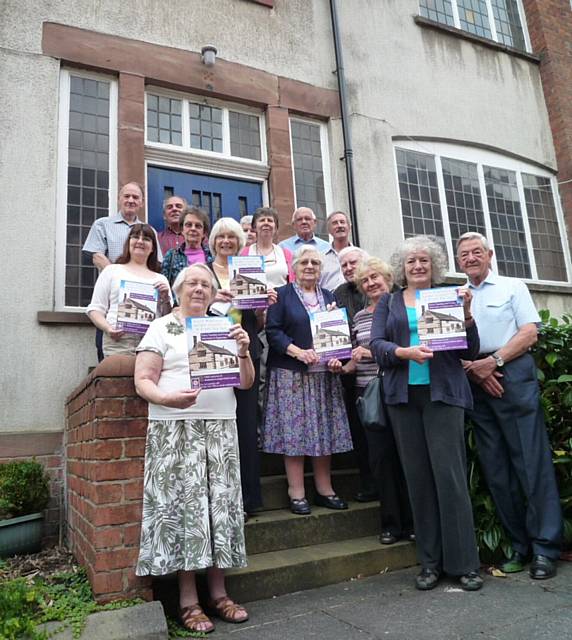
[[325, 151], [185, 127], [482, 157], [62, 172], [492, 24]]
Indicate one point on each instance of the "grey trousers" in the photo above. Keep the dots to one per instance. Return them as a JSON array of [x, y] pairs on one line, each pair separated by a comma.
[[430, 439]]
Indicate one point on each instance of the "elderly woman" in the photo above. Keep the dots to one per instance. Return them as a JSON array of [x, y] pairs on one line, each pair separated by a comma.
[[426, 394], [137, 263], [192, 506], [226, 240], [374, 278], [278, 261], [249, 232], [194, 223], [304, 413]]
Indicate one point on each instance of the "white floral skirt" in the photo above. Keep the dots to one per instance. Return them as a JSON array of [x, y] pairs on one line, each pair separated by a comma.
[[192, 502]]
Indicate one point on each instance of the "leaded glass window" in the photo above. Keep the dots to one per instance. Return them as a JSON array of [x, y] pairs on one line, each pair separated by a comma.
[[507, 22], [419, 194], [546, 239], [206, 127], [164, 120], [87, 181], [438, 10], [244, 135], [474, 17], [308, 171]]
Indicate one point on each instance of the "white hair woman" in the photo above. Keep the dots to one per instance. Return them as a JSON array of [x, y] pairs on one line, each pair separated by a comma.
[[192, 505], [426, 394], [304, 413]]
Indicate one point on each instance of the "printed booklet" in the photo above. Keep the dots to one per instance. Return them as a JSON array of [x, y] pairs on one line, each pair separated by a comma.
[[213, 359], [441, 319], [331, 334], [248, 282], [137, 306]]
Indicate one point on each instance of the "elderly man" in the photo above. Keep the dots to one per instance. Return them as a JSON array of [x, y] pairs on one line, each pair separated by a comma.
[[347, 294], [304, 223], [339, 228], [172, 236], [510, 433], [107, 236]]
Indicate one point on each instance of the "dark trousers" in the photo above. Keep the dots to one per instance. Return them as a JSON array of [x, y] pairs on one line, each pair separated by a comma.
[[99, 344], [247, 426], [389, 480], [359, 440], [430, 439], [514, 453]]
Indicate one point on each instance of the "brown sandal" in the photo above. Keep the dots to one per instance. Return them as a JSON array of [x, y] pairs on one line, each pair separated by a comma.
[[227, 610], [193, 616]]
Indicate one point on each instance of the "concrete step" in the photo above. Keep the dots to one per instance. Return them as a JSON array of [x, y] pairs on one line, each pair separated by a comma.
[[275, 488], [277, 530], [273, 464], [289, 570]]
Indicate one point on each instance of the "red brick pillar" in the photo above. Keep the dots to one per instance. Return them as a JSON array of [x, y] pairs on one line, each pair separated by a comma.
[[106, 424], [131, 129]]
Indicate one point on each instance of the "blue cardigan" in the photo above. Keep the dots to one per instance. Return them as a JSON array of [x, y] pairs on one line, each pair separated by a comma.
[[390, 329], [287, 322]]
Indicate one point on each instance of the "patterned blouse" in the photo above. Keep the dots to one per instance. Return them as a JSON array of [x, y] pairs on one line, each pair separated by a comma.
[[366, 369]]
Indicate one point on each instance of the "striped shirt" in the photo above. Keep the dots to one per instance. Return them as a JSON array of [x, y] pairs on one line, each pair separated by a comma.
[[366, 369]]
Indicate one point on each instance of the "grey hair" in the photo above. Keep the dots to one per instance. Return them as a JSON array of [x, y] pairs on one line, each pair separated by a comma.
[[474, 235], [298, 209], [226, 225], [184, 200], [335, 213], [307, 248], [420, 243], [378, 266], [344, 252], [246, 220], [180, 279]]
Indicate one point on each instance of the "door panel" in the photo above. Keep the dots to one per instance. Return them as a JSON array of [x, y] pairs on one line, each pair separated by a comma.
[[218, 196]]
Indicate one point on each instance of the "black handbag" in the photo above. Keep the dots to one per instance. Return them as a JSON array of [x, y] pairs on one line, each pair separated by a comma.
[[370, 406]]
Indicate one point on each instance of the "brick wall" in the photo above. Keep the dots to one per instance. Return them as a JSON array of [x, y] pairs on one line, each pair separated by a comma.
[[106, 424], [550, 28]]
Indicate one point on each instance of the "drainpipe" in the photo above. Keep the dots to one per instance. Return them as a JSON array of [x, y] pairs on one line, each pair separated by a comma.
[[346, 129]]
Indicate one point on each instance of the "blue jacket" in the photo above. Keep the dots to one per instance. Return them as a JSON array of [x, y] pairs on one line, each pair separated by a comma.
[[287, 322], [390, 329]]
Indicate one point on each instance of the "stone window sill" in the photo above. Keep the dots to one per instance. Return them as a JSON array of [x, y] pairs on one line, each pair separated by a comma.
[[465, 35], [63, 317]]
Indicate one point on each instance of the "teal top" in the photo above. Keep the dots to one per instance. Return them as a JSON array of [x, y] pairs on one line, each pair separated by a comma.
[[418, 373]]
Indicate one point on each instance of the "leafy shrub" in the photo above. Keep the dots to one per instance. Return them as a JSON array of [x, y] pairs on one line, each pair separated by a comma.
[[24, 488], [553, 357]]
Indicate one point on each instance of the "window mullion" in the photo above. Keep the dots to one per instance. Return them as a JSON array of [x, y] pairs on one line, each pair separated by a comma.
[[185, 125], [529, 245], [226, 133], [561, 226], [445, 215], [492, 24], [487, 215], [456, 18], [524, 25]]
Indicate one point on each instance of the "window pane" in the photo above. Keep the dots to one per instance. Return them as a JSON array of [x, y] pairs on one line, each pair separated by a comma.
[[419, 194], [438, 10], [308, 172], [464, 203], [205, 130], [474, 17], [506, 220], [88, 165], [163, 120], [544, 229], [244, 135], [507, 22]]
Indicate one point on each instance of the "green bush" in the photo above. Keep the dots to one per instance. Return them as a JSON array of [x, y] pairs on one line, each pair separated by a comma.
[[553, 356], [24, 488]]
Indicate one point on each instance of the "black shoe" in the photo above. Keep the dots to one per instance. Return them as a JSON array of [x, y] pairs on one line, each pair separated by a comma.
[[330, 502], [409, 536], [515, 563], [427, 579], [386, 537], [300, 506], [542, 568], [471, 581], [366, 496]]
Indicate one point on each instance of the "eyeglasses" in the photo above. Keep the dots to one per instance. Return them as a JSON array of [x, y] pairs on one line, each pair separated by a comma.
[[141, 237], [314, 263]]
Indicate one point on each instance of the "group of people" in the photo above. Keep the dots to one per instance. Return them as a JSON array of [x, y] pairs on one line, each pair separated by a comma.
[[202, 466]]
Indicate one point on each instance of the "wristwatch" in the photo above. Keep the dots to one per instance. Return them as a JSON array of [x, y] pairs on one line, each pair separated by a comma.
[[498, 359]]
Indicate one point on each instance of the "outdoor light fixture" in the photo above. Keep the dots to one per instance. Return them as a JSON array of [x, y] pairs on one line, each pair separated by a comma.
[[208, 54]]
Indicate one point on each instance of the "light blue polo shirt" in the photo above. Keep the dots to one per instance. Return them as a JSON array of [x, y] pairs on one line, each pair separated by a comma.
[[293, 243], [501, 306]]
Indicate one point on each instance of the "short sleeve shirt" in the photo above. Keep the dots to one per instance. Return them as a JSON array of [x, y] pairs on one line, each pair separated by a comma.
[[293, 243], [501, 306], [167, 337]]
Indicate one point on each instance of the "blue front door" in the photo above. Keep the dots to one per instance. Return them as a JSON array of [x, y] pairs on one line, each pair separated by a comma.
[[218, 196]]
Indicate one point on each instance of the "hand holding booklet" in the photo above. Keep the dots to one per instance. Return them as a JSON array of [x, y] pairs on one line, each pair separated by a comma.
[[441, 319], [137, 306], [331, 334], [248, 282]]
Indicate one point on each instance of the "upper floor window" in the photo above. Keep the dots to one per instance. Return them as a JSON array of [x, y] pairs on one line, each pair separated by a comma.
[[447, 190], [499, 20], [203, 126], [86, 173]]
